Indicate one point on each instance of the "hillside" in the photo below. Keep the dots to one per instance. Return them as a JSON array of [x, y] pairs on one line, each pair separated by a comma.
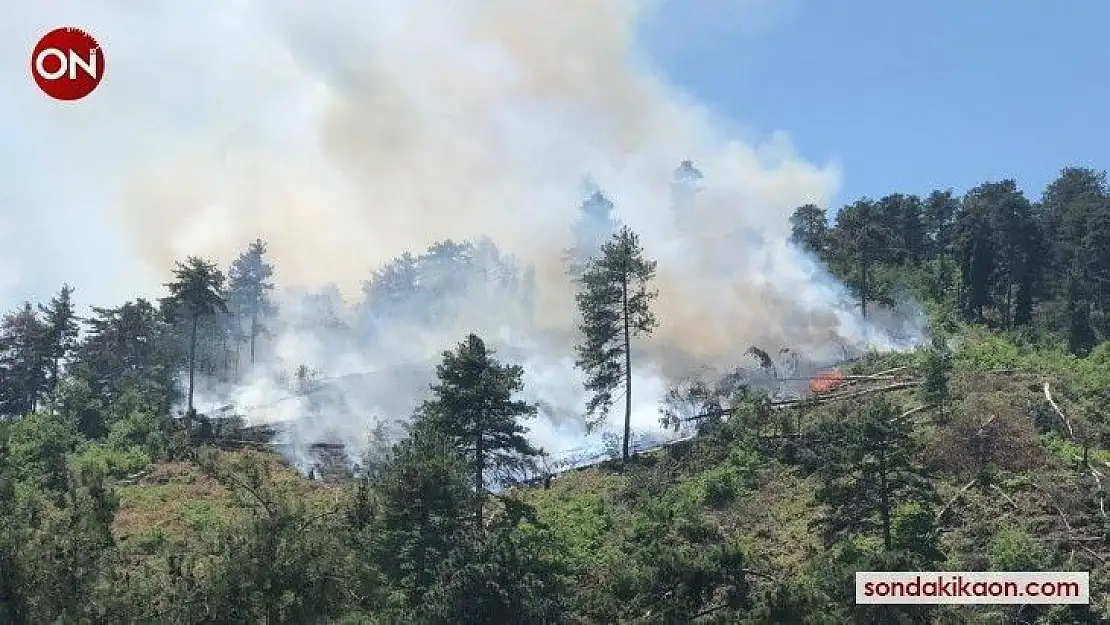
[[983, 446], [1009, 493], [728, 525]]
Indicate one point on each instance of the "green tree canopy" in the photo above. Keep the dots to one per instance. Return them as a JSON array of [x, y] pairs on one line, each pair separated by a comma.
[[614, 301], [197, 290], [473, 407]]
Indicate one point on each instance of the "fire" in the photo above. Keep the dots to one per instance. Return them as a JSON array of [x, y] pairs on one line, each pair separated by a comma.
[[825, 381]]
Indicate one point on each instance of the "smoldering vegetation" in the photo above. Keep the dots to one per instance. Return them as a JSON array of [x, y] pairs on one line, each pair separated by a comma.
[[351, 371], [368, 142]]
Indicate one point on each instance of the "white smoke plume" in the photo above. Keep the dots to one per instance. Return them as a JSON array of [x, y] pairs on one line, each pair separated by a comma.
[[347, 133]]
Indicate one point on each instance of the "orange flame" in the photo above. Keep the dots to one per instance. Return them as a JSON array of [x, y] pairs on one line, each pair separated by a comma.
[[825, 381]]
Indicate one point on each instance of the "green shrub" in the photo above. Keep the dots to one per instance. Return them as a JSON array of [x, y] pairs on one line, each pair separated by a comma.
[[111, 461], [1012, 549]]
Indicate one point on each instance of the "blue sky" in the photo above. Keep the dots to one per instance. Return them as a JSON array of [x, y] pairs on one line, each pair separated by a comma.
[[911, 96]]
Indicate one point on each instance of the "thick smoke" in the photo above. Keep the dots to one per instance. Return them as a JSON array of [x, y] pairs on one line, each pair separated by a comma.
[[348, 133]]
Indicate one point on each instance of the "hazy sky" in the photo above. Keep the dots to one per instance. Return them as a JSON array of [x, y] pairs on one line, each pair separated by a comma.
[[875, 97]]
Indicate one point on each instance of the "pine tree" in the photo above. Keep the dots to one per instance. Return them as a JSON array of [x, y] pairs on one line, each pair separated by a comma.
[[1097, 244], [472, 406], [903, 216], [24, 363], [940, 212], [869, 470], [502, 577], [197, 291], [809, 229], [425, 504], [129, 349], [1015, 238], [594, 226], [976, 255], [249, 289], [61, 332], [614, 300], [937, 369], [1081, 336], [861, 243], [1069, 203]]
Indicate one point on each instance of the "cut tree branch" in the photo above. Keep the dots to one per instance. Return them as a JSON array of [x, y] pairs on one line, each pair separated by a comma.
[[1060, 413]]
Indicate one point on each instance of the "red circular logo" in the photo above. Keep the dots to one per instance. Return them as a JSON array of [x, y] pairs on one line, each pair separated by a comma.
[[67, 63]]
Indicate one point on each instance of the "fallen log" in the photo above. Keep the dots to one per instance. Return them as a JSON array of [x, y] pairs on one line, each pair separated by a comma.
[[955, 498], [811, 400], [912, 411], [852, 395], [1056, 408]]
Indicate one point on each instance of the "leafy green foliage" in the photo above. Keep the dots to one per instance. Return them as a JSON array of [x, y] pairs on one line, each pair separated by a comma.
[[129, 352], [502, 577], [1012, 549], [937, 370], [38, 444], [425, 504], [23, 361]]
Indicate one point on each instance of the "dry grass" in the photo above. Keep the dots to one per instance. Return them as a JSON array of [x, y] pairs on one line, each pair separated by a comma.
[[176, 502]]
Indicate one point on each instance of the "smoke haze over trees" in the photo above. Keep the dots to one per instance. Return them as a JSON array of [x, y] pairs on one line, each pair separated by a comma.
[[361, 229], [417, 537]]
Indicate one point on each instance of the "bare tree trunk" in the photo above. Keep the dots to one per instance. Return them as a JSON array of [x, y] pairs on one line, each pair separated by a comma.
[[627, 370], [254, 332], [863, 286], [479, 477], [884, 502], [225, 349], [1009, 317], [192, 362], [238, 358]]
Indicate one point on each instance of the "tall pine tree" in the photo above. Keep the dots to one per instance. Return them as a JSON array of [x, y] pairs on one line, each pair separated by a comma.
[[425, 503], [196, 290], [24, 361], [870, 469], [61, 331], [249, 288], [615, 304], [594, 225]]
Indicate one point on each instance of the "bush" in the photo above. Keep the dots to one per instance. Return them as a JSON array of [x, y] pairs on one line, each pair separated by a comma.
[[111, 461], [1012, 549], [138, 428], [38, 444], [721, 485]]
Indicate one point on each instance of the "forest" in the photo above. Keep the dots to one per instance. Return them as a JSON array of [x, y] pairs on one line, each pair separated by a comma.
[[985, 448]]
